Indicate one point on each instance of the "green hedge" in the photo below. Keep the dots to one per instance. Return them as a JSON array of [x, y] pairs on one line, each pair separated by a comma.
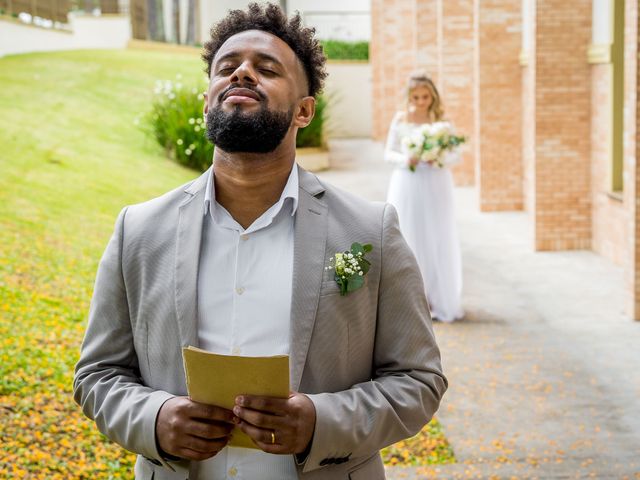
[[313, 134], [177, 124], [341, 50]]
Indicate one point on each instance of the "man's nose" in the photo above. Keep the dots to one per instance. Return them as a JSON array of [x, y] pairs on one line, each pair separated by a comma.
[[244, 74]]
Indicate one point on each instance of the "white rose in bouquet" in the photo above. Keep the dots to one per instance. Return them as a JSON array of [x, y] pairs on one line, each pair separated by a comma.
[[432, 143]]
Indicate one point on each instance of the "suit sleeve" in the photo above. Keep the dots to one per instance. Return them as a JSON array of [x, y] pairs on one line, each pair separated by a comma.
[[107, 383], [407, 381]]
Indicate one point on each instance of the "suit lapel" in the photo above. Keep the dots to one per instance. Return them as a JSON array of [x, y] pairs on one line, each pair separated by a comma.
[[310, 237], [189, 235]]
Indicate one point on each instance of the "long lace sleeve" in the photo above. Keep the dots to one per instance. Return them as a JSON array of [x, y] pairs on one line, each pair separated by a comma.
[[393, 149]]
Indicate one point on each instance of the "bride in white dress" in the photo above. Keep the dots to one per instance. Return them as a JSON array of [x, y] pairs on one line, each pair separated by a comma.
[[424, 201]]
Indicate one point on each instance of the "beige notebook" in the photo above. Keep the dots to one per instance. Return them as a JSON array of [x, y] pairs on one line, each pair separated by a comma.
[[218, 379]]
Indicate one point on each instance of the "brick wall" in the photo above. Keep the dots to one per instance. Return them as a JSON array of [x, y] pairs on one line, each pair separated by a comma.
[[632, 152], [426, 24], [456, 77], [538, 132], [610, 214], [404, 31], [393, 57], [404, 39], [434, 36], [383, 42], [562, 117], [498, 104], [528, 79], [529, 138], [383, 69], [376, 49]]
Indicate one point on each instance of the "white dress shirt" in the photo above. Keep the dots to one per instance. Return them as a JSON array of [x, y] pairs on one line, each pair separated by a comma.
[[244, 307]]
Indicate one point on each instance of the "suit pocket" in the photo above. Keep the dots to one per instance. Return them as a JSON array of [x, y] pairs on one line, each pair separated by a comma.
[[371, 469], [329, 287]]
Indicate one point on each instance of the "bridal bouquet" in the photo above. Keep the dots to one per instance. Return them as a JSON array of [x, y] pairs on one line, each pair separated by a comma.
[[431, 143]]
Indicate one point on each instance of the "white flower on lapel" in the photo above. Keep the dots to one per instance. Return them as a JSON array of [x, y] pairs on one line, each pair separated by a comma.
[[350, 267]]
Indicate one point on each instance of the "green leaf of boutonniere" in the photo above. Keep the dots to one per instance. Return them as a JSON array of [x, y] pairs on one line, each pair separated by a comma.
[[350, 267]]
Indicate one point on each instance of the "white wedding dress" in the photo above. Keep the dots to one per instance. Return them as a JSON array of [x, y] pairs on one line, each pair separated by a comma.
[[425, 204]]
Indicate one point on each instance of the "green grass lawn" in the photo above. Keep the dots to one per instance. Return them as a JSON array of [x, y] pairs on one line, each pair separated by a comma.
[[71, 157]]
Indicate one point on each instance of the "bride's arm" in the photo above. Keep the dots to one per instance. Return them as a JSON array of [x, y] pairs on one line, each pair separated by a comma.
[[393, 148]]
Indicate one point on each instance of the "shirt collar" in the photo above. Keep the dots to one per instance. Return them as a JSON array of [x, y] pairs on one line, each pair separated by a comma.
[[290, 190]]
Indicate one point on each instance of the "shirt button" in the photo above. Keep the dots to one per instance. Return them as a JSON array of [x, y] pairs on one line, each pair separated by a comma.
[[244, 236], [233, 471], [239, 290], [236, 351]]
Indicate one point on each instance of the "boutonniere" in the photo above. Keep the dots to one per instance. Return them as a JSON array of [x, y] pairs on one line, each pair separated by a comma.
[[350, 267]]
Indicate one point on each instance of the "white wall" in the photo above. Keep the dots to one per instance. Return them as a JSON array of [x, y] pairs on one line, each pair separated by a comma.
[[333, 19], [351, 27], [113, 31], [349, 83], [336, 19], [348, 88], [213, 11], [527, 26], [602, 22]]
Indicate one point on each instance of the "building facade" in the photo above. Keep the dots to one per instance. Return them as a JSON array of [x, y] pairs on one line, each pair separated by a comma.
[[547, 92], [348, 20]]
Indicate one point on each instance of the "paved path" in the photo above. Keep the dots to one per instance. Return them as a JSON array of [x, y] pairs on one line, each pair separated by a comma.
[[544, 370]]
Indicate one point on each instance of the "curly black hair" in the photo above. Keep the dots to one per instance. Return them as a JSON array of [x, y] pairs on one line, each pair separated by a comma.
[[273, 20]]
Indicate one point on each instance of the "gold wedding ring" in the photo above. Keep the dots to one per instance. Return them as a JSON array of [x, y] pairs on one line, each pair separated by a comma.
[[273, 437]]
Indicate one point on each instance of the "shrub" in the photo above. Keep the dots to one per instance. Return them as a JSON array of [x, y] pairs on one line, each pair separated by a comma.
[[342, 50], [177, 123], [313, 134]]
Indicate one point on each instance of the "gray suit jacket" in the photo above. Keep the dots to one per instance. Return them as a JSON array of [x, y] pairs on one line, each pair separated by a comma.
[[368, 361]]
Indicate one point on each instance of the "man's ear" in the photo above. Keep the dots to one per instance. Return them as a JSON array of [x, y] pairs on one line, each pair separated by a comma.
[[206, 105], [304, 112]]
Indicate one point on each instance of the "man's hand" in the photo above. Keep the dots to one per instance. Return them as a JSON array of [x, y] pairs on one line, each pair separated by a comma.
[[291, 421], [191, 430]]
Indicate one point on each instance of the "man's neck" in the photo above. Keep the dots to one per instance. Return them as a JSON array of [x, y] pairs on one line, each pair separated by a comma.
[[248, 184]]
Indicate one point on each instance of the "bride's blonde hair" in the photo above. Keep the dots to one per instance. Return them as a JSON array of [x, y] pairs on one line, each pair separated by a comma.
[[422, 80]]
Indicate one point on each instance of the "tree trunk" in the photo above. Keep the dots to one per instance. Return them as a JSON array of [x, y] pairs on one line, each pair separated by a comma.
[[176, 20], [156, 22], [191, 22]]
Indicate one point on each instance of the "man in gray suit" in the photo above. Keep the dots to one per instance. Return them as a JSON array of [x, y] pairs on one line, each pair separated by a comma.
[[235, 262]]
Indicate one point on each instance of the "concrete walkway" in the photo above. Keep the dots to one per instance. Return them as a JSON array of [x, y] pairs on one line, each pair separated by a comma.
[[544, 370]]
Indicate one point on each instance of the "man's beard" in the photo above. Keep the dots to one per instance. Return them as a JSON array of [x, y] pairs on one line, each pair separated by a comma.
[[259, 132]]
